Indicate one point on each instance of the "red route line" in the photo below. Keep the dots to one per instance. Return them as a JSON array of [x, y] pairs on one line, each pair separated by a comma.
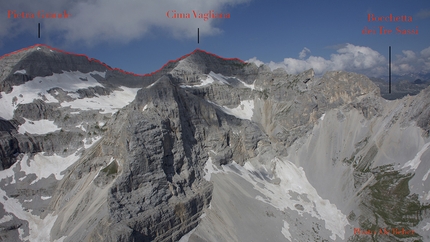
[[117, 69]]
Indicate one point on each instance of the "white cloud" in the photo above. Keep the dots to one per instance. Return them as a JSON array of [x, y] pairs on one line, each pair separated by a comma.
[[425, 53], [411, 62], [304, 53], [95, 21], [423, 14], [359, 59], [257, 62]]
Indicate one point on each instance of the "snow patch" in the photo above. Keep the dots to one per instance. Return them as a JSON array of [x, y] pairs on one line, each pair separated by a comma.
[[91, 141], [252, 86], [426, 175], [144, 108], [220, 78], [204, 82], [152, 84], [81, 126], [107, 104], [20, 72], [43, 126], [285, 231], [322, 116], [10, 173], [40, 229], [44, 198], [73, 95], [416, 161], [44, 166], [38, 87], [209, 169], [245, 110], [6, 218], [213, 77], [209, 80]]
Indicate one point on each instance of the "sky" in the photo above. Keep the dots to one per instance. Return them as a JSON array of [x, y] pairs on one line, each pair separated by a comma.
[[141, 36]]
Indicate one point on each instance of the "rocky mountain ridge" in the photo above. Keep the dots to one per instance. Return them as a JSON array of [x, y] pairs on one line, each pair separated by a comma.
[[206, 149]]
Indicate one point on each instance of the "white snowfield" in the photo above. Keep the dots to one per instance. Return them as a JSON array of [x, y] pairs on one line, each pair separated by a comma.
[[38, 87], [90, 141], [43, 126], [220, 78], [106, 104], [210, 169], [81, 126], [245, 110], [20, 72], [250, 86], [43, 167], [39, 228], [216, 78], [416, 161], [205, 82], [210, 79], [69, 82], [292, 179]]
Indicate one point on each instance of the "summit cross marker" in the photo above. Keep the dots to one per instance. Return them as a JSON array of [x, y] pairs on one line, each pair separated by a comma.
[[389, 69]]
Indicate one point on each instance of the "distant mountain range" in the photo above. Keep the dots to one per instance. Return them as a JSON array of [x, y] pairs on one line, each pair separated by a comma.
[[401, 86]]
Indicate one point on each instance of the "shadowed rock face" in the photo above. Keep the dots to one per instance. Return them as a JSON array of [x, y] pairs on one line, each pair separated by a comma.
[[207, 149]]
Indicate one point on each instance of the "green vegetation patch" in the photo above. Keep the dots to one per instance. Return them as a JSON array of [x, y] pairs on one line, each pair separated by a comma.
[[112, 168], [392, 202]]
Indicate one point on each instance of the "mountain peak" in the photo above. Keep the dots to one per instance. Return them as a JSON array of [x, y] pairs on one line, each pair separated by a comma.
[[19, 54], [40, 61], [43, 60], [199, 56], [202, 53], [203, 62]]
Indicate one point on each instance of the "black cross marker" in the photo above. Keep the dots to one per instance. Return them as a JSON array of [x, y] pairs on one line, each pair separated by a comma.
[[389, 69]]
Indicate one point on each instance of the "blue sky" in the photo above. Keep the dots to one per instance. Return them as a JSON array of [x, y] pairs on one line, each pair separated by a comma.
[[137, 36]]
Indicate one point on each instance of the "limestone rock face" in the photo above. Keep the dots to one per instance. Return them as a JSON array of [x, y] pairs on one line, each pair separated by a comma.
[[206, 149]]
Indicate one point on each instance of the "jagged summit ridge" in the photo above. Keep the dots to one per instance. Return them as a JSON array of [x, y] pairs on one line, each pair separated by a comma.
[[43, 60], [197, 54]]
